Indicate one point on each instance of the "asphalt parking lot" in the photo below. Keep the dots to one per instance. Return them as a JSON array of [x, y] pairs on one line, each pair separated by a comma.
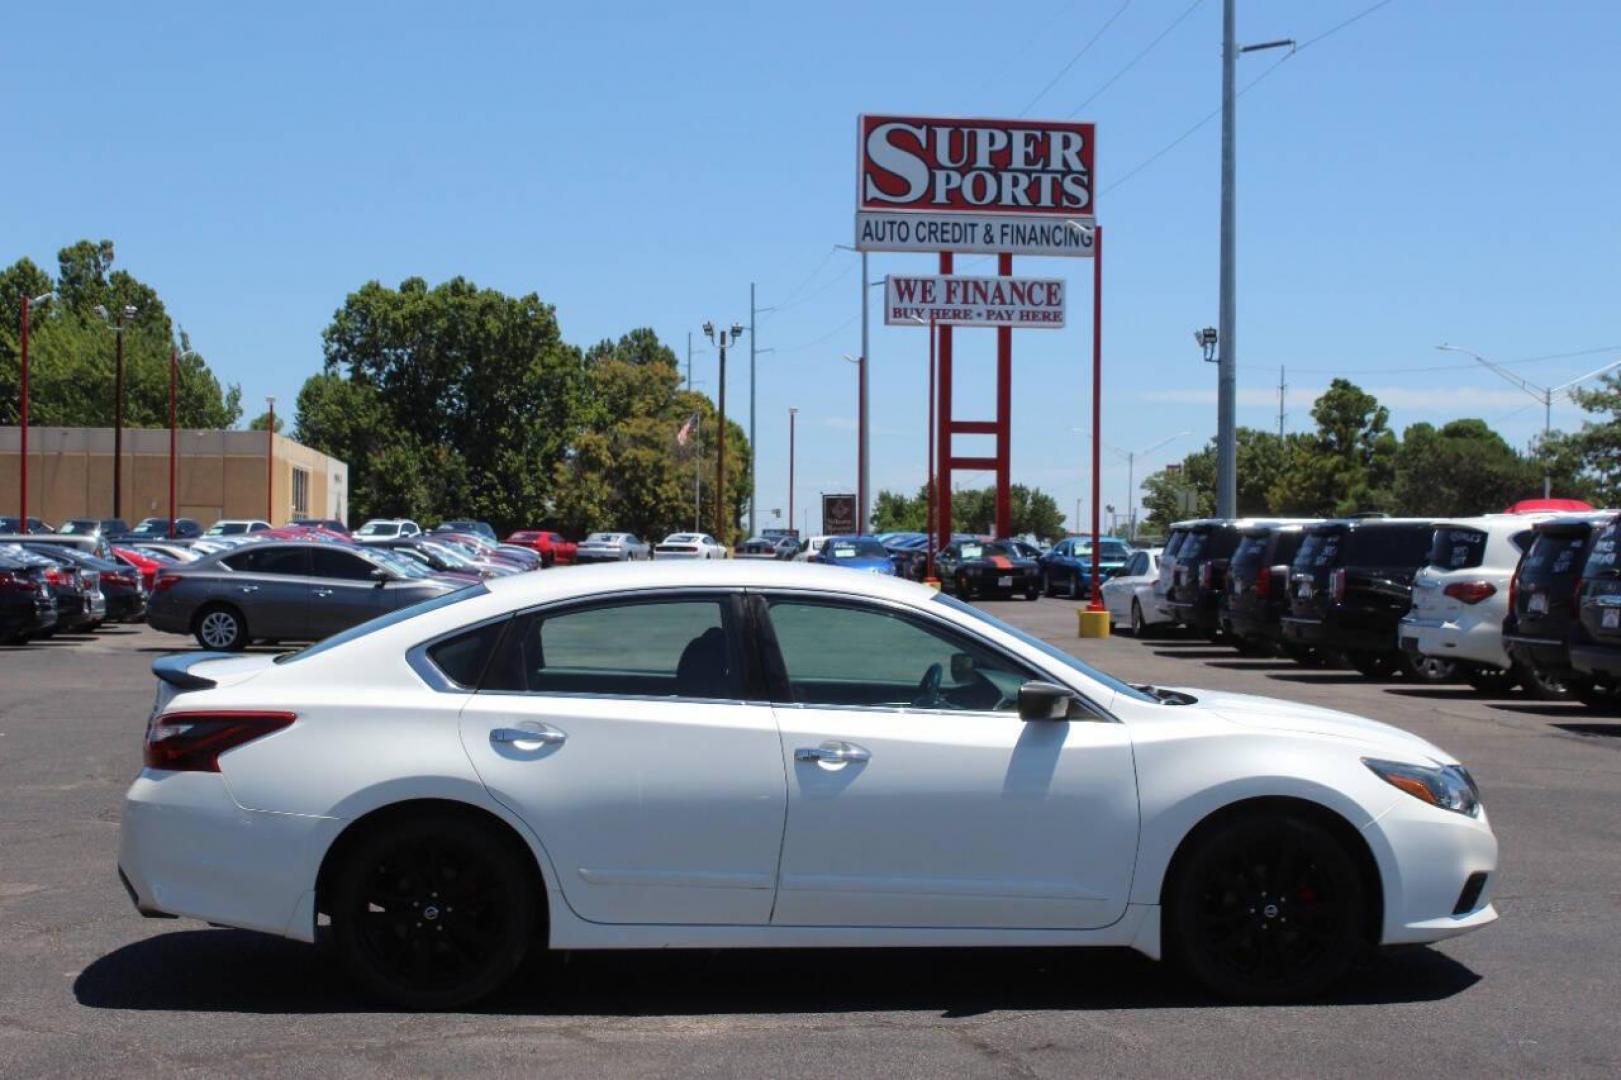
[[88, 987]]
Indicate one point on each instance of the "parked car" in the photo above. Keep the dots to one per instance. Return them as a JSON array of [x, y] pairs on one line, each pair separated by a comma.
[[756, 755], [329, 524], [387, 529], [466, 525], [144, 562], [910, 553], [1350, 585], [1541, 616], [1130, 598], [27, 603], [862, 553], [236, 526], [446, 558], [974, 568], [1200, 578], [1257, 594], [80, 604], [122, 591], [178, 552], [93, 527], [1461, 597], [612, 547], [1067, 566], [554, 548], [284, 590], [1595, 645], [1172, 550], [690, 546], [809, 548], [770, 544], [157, 528], [13, 526]]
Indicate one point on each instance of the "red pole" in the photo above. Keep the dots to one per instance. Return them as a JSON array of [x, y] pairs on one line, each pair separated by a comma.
[[118, 424], [174, 369], [1096, 603], [942, 480], [928, 519], [22, 515], [1004, 413], [270, 463]]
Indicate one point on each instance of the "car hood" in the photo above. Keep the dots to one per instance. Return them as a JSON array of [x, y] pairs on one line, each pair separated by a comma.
[[1273, 714]]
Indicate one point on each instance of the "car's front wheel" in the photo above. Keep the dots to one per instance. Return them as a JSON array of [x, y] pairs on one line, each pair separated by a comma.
[[221, 628], [432, 913], [1267, 908]]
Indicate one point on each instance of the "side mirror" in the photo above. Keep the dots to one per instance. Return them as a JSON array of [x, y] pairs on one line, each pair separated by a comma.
[[1044, 701], [380, 575]]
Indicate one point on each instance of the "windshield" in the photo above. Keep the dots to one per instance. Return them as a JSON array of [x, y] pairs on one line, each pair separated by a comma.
[[227, 528], [977, 549], [1047, 649], [79, 526], [383, 622], [401, 566], [856, 549], [447, 554], [602, 538], [378, 528]]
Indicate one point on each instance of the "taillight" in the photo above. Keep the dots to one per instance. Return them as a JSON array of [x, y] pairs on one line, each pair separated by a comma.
[[165, 581], [14, 582], [1206, 575], [1470, 592], [1336, 585], [1514, 593], [193, 742], [1263, 582], [54, 575]]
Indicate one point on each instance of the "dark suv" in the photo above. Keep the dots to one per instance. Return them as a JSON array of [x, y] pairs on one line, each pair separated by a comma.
[[1542, 606], [1257, 593], [1595, 645], [1349, 586]]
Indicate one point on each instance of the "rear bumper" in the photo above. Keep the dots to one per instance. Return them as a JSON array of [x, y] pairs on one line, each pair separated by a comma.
[[127, 608], [1329, 633], [1202, 614], [1253, 625], [1591, 659], [1474, 641]]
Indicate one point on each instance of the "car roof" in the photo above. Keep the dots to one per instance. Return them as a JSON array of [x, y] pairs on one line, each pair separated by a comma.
[[585, 581]]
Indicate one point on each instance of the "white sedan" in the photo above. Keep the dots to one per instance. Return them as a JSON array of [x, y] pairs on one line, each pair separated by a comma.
[[1132, 596], [690, 546], [765, 755]]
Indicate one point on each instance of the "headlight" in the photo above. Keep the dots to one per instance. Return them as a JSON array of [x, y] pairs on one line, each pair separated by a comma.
[[1448, 786]]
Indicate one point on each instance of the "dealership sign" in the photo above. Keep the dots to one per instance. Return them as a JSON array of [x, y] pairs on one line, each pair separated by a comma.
[[1026, 303], [839, 515], [1022, 187]]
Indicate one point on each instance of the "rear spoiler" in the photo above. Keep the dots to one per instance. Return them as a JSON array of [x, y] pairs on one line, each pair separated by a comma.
[[175, 669]]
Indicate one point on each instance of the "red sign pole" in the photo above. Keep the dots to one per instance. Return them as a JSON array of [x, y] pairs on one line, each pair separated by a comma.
[[928, 520], [1096, 603], [174, 368], [1004, 413], [270, 463], [942, 495]]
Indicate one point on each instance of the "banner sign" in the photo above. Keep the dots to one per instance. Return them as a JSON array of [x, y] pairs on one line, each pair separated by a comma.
[[839, 515], [1027, 303], [933, 184]]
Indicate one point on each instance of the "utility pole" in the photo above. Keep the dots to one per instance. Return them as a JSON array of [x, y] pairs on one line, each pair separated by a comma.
[[689, 361], [124, 315], [174, 378], [22, 458], [270, 463], [697, 470], [1227, 316], [722, 534], [792, 413], [863, 473], [1283, 389], [754, 447]]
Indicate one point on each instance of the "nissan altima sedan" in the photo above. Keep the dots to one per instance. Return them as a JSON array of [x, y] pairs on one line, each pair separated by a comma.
[[738, 754]]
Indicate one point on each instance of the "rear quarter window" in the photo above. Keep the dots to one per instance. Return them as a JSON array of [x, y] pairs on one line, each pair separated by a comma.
[[1319, 551], [1390, 546], [1553, 555], [1251, 550], [1457, 549], [1601, 561]]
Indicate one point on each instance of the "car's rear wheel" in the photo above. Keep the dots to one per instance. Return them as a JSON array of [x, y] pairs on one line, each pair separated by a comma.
[[1304, 655], [1139, 625], [1032, 591], [1268, 908], [432, 913], [1428, 669], [1375, 665], [1075, 585], [1489, 680], [1605, 698], [220, 627], [1047, 583], [1543, 686], [1252, 647]]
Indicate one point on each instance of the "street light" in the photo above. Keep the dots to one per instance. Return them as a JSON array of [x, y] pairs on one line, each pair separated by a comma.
[[1207, 339], [1095, 234], [792, 413], [126, 313], [1543, 394], [22, 516], [721, 342], [270, 462]]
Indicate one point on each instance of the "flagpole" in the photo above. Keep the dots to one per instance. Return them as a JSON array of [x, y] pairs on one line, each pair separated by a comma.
[[697, 472]]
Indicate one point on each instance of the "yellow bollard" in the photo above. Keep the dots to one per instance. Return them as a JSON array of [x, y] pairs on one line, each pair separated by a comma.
[[1092, 624]]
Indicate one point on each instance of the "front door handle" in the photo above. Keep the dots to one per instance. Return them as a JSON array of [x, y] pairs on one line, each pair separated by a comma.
[[321, 592], [833, 753], [248, 588], [528, 736]]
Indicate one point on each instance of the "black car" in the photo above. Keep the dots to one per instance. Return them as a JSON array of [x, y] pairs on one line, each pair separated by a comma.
[[1199, 578], [157, 528], [1595, 644], [467, 525], [1541, 616], [13, 526], [972, 568], [1349, 586], [27, 604], [93, 527], [120, 584], [80, 604], [1257, 593]]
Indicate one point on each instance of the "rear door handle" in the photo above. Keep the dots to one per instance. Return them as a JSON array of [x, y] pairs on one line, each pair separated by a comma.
[[528, 736], [321, 592], [833, 753], [249, 588]]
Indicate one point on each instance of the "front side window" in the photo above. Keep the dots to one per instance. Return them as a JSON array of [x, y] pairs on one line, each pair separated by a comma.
[[331, 563], [649, 648], [866, 657]]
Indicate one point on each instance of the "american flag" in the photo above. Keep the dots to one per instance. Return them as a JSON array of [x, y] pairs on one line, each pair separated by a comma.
[[682, 436]]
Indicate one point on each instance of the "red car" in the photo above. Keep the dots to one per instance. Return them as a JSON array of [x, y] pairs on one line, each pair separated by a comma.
[[145, 563], [554, 548]]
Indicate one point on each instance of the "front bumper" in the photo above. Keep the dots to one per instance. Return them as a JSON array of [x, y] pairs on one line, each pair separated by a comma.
[[1476, 641], [187, 849], [1427, 857]]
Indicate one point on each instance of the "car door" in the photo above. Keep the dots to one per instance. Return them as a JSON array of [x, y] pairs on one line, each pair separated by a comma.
[[622, 731], [1119, 590], [343, 590], [270, 585], [919, 807]]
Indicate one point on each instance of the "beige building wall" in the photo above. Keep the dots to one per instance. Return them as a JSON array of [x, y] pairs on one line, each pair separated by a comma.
[[218, 474]]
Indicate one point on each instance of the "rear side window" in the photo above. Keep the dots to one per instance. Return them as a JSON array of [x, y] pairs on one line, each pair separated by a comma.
[[270, 560], [1173, 543], [1397, 545], [463, 657], [331, 563], [1554, 555], [1319, 551], [1193, 546], [1251, 550], [1457, 549], [1601, 561]]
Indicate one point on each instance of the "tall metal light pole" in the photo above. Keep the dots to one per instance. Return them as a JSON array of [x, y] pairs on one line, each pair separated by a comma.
[[125, 313], [754, 447], [1227, 316], [863, 441], [22, 512], [174, 380], [1543, 394], [270, 462], [792, 414], [722, 533]]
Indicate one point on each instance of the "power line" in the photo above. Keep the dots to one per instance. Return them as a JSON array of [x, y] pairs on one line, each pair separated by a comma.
[[1454, 367], [818, 291], [793, 292], [825, 337], [1150, 47], [1093, 40]]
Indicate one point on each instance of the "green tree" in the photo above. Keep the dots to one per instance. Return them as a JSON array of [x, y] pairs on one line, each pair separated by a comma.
[[1031, 511], [1347, 465], [895, 512], [1462, 468], [1587, 463], [1189, 489], [262, 421]]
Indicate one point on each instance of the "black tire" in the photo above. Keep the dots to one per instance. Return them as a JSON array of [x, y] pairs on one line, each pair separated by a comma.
[[1251, 648], [1489, 680], [1075, 585], [393, 878], [1047, 583], [1375, 665], [1427, 669], [220, 627], [1304, 655], [1267, 908], [1032, 591], [1139, 626], [1540, 685], [1604, 699]]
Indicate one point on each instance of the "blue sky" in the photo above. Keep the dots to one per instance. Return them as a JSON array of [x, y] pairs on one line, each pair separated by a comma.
[[1440, 170]]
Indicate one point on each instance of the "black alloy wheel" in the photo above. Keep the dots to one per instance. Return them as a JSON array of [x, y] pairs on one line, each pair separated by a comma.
[[1490, 680], [1075, 585], [1139, 627], [1268, 908], [1047, 583], [1032, 591], [432, 913], [1375, 665]]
